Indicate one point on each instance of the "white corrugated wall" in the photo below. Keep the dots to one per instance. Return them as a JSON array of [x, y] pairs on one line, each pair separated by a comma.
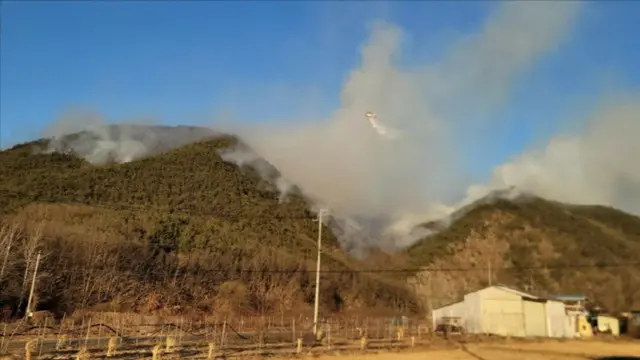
[[535, 318], [501, 312], [473, 305], [558, 322]]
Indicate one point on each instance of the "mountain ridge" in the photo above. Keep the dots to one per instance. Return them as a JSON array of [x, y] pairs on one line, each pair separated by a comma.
[[534, 243], [173, 210], [186, 221]]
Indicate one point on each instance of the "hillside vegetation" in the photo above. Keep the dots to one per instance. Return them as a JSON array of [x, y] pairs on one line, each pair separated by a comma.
[[175, 232], [535, 245], [183, 231]]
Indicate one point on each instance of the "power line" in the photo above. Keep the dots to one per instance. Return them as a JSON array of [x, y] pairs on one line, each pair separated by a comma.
[[266, 214], [175, 211], [429, 270], [310, 216], [275, 216]]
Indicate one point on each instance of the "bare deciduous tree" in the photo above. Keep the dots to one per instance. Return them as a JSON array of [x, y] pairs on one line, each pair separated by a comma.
[[8, 234], [30, 245]]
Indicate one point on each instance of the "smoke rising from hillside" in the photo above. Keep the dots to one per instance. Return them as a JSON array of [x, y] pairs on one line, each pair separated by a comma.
[[378, 189], [347, 167], [98, 142], [598, 165]]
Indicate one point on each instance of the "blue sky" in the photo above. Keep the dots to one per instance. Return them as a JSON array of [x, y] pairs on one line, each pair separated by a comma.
[[185, 62]]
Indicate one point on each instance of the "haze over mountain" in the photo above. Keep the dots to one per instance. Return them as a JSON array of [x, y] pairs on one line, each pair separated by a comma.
[[220, 218], [387, 187], [186, 222], [92, 138], [180, 222]]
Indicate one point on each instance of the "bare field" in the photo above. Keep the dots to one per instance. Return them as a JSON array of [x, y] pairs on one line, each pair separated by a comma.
[[494, 349], [542, 350]]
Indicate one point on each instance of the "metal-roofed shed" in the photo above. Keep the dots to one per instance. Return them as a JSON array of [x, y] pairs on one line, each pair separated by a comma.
[[504, 311]]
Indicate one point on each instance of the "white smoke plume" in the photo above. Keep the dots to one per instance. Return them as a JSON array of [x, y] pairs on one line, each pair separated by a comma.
[[598, 165], [378, 189], [346, 166], [98, 142]]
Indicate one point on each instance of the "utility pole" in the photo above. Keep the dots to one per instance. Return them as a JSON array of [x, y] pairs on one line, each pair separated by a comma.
[[430, 302], [489, 274], [317, 298], [33, 286], [531, 283]]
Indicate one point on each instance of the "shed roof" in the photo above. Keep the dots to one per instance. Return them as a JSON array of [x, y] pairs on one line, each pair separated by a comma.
[[501, 287], [447, 305], [570, 297], [517, 292]]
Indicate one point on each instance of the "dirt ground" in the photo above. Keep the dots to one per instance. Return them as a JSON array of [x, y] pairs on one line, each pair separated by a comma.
[[569, 350]]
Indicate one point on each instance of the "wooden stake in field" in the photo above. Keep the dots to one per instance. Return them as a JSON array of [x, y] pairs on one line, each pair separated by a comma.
[[86, 339], [299, 346], [215, 329], [83, 354], [119, 328], [156, 351], [100, 334], [293, 329], [170, 342], [28, 348], [60, 343], [224, 333], [41, 337], [212, 350], [111, 346]]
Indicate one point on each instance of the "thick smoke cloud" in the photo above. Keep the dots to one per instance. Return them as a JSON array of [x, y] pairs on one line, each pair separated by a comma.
[[347, 167]]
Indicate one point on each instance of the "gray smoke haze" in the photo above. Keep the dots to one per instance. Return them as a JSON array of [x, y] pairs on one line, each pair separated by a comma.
[[378, 189], [99, 142], [598, 165], [348, 168]]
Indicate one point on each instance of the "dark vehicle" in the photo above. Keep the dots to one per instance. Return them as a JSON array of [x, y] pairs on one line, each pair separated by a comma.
[[449, 325]]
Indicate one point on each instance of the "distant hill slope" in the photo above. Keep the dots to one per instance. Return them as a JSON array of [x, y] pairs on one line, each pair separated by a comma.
[[182, 228], [532, 233]]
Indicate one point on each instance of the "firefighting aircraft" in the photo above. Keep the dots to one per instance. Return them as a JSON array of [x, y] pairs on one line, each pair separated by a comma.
[[379, 128]]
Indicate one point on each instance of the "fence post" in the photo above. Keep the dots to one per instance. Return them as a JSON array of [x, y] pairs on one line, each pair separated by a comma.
[[293, 327]]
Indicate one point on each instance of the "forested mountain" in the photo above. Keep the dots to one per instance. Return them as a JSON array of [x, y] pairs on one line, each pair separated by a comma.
[[177, 229], [180, 228]]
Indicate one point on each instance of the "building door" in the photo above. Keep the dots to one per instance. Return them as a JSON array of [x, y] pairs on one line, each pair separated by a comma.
[[535, 318]]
